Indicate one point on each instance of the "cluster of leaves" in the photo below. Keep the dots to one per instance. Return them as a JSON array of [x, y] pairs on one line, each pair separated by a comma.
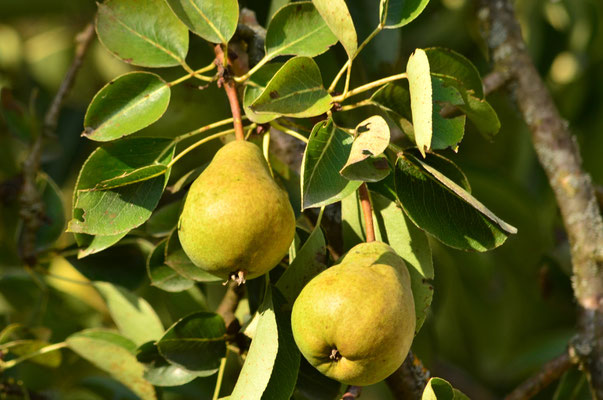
[[415, 191]]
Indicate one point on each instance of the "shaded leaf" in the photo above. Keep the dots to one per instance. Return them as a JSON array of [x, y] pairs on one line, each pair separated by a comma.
[[448, 63], [446, 132], [259, 79], [125, 105], [160, 372], [148, 34], [53, 223], [295, 90], [397, 13], [94, 244], [196, 342], [312, 385], [213, 20], [326, 153], [176, 258], [439, 389], [113, 354], [419, 81], [164, 220], [298, 29], [338, 18], [458, 222], [161, 275], [134, 317]]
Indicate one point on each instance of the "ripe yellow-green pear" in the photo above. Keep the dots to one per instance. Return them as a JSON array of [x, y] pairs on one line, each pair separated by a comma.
[[355, 321], [236, 223]]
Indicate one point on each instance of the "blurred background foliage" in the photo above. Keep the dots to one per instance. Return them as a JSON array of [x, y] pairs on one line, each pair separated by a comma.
[[496, 316]]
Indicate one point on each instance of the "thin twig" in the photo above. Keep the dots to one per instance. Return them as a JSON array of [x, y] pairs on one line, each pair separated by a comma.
[[550, 372], [230, 88], [230, 302], [367, 211], [409, 381], [31, 206], [559, 156]]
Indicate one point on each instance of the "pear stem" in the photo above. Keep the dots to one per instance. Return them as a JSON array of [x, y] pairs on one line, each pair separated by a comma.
[[225, 80], [367, 211]]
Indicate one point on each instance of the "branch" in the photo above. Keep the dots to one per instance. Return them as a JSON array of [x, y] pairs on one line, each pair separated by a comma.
[[225, 80], [550, 372], [32, 208], [409, 381], [367, 211], [229, 304], [558, 154]]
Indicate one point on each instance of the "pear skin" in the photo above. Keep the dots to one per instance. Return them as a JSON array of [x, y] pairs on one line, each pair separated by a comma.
[[236, 220], [355, 321]]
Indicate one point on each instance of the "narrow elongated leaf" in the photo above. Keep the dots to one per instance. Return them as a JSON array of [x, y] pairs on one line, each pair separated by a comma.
[[338, 18], [134, 317], [160, 372], [147, 34], [364, 162], [298, 29], [213, 20], [444, 166], [162, 275], [397, 13], [116, 211], [456, 221], [113, 354], [125, 105], [309, 261], [419, 81], [326, 153], [295, 90], [196, 342], [270, 369], [412, 245]]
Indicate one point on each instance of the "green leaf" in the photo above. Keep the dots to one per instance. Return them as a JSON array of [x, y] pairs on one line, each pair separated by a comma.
[[338, 18], [295, 91], [364, 162], [164, 220], [259, 79], [25, 347], [312, 385], [127, 178], [397, 13], [308, 262], [115, 211], [298, 29], [448, 63], [419, 81], [395, 100], [572, 386], [446, 211], [161, 275], [439, 389], [444, 166], [53, 224], [326, 153], [446, 132], [147, 34], [125, 105], [176, 258], [113, 354], [18, 120], [481, 114], [93, 244], [196, 342], [213, 20], [134, 317], [160, 372], [270, 369], [412, 245]]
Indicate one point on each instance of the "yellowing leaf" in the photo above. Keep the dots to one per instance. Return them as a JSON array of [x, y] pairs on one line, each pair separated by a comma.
[[419, 82]]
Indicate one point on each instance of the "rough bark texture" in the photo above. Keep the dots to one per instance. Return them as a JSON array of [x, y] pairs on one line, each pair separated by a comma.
[[559, 156], [409, 381], [550, 372]]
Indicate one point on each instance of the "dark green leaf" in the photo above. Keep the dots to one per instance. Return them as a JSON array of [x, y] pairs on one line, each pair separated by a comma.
[[326, 153], [308, 262], [312, 385], [163, 276], [146, 34], [338, 18], [94, 244], [452, 216], [298, 29], [270, 369], [18, 121], [164, 220], [176, 258], [439, 389], [196, 342], [213, 20], [158, 371], [446, 132], [53, 223], [295, 90], [445, 166], [125, 105], [397, 13], [448, 63], [134, 317], [113, 354], [259, 79], [572, 386]]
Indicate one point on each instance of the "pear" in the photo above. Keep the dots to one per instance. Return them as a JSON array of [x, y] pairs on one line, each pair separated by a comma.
[[355, 321], [236, 223]]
